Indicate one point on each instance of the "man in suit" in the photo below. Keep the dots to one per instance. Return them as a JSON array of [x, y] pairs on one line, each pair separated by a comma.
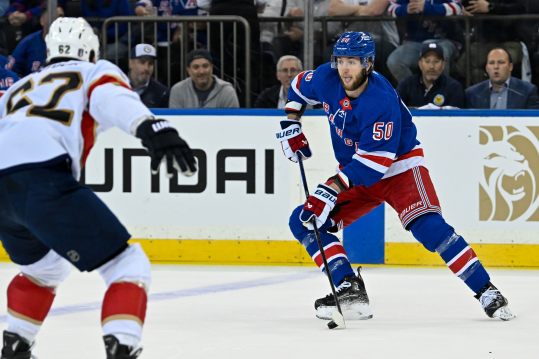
[[501, 90], [141, 64], [288, 67]]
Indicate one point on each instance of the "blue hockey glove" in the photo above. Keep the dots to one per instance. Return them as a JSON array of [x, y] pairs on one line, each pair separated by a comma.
[[319, 205], [164, 144], [293, 141]]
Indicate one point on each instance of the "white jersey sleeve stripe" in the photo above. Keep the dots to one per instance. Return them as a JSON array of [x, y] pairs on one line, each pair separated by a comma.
[[293, 106], [389, 155], [382, 168]]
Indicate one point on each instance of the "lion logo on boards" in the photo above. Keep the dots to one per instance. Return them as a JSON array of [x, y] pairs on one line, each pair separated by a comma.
[[508, 183]]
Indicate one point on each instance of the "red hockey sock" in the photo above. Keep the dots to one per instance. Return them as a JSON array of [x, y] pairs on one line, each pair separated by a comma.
[[29, 301], [124, 300]]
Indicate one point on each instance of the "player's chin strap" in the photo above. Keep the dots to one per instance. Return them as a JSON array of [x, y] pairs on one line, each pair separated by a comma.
[[337, 317]]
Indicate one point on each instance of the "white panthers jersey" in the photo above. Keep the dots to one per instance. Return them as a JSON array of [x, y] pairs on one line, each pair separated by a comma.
[[61, 109]]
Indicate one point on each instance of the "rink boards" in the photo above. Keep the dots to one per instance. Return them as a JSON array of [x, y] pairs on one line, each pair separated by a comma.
[[485, 166]]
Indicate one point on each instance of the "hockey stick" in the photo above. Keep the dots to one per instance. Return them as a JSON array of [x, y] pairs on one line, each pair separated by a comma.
[[338, 318]]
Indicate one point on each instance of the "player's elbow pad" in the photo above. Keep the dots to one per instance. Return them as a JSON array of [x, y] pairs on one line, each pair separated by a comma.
[[295, 108]]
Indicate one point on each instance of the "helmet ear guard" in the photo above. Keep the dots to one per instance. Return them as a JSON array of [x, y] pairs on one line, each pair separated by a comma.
[[73, 38]]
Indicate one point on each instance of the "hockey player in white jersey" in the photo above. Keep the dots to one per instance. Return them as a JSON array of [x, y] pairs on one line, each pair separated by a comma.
[[49, 121]]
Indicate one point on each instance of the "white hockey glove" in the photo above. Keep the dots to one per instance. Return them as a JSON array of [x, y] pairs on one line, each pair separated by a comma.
[[319, 205], [293, 141]]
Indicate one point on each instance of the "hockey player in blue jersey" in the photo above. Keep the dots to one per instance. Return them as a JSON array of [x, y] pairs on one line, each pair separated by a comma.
[[380, 160]]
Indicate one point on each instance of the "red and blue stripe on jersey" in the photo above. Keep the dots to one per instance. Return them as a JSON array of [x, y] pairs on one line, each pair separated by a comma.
[[373, 136]]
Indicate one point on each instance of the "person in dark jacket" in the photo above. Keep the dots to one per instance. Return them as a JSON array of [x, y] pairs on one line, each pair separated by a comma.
[[431, 87], [288, 66], [501, 90], [141, 64]]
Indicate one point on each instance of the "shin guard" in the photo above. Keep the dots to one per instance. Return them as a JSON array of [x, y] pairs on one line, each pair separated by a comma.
[[436, 235], [28, 304], [335, 254], [29, 301], [463, 261], [124, 309]]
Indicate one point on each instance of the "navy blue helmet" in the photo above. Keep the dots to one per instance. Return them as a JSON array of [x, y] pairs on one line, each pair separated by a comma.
[[354, 44]]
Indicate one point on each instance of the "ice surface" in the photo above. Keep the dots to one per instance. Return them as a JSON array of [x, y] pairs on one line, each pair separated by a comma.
[[267, 313]]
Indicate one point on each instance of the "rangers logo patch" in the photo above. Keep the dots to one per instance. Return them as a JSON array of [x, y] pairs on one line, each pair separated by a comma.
[[309, 76], [345, 104], [326, 107]]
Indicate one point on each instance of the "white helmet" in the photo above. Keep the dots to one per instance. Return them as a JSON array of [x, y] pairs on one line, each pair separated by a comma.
[[72, 38]]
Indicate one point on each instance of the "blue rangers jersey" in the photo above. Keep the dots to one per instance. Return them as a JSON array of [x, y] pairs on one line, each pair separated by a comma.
[[29, 55], [7, 79], [373, 136]]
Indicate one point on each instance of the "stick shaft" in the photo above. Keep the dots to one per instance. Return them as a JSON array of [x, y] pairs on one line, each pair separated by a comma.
[[317, 235]]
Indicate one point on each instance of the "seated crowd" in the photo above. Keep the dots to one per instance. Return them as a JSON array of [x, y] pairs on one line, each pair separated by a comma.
[[173, 66]]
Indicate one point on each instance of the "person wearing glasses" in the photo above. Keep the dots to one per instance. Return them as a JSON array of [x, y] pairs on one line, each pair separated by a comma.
[[288, 66]]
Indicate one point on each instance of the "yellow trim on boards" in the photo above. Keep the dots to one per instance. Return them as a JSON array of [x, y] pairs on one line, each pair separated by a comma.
[[253, 252], [491, 255]]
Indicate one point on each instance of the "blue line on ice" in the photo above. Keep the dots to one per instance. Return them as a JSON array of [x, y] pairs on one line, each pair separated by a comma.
[[214, 288]]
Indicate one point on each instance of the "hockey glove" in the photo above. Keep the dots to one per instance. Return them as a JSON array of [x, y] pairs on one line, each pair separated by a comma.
[[293, 141], [164, 144], [319, 205]]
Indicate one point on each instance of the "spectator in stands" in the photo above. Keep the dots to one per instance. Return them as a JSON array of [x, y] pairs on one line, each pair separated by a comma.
[[101, 10], [23, 17], [30, 54], [7, 78], [276, 38], [141, 64], [21, 12], [233, 40], [501, 90], [3, 61], [166, 8], [489, 34], [168, 36], [322, 45], [282, 38], [288, 67], [202, 89], [431, 87], [403, 61], [530, 36], [4, 4], [385, 33]]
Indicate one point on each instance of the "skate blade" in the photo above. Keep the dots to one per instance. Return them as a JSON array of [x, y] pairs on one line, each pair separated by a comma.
[[503, 314], [350, 312]]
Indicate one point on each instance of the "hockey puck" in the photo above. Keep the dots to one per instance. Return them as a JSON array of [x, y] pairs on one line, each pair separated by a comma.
[[332, 325]]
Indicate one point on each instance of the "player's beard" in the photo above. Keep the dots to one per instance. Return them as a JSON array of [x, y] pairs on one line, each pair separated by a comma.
[[358, 81]]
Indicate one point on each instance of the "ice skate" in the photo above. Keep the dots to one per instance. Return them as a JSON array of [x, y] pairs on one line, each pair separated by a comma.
[[16, 347], [115, 350], [352, 297], [494, 303]]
